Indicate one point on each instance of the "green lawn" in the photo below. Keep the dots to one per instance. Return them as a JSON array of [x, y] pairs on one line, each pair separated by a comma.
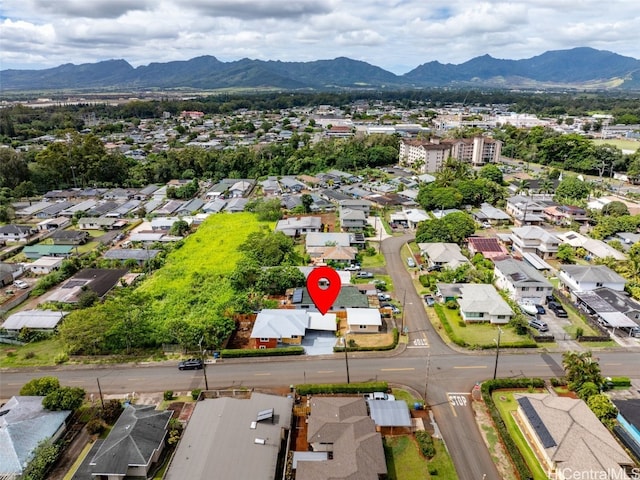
[[404, 460], [30, 355], [480, 333], [621, 144], [442, 462], [376, 260], [505, 407]]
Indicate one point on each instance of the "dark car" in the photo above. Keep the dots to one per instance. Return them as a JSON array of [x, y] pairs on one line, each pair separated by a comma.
[[558, 309], [549, 298], [430, 300], [540, 309], [190, 364]]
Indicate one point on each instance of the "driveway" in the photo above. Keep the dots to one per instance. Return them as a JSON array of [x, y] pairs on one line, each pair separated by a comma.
[[319, 342]]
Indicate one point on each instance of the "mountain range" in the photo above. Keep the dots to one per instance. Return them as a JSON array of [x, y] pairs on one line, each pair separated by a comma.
[[577, 68]]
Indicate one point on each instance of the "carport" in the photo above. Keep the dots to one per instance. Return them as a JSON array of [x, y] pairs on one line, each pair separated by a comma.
[[617, 320]]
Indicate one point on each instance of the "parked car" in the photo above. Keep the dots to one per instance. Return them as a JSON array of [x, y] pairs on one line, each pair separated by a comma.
[[190, 364], [429, 300], [20, 284], [364, 275], [352, 268], [539, 325], [549, 298], [486, 225], [434, 268], [411, 262], [379, 396], [557, 309], [384, 296], [540, 309]]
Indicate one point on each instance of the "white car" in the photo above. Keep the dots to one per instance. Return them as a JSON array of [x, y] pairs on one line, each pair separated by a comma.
[[21, 284], [352, 268]]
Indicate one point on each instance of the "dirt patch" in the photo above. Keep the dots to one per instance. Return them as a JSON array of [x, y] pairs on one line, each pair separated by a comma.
[[490, 436]]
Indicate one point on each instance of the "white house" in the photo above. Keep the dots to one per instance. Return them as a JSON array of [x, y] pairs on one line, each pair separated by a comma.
[[364, 320], [522, 281], [534, 239], [447, 255], [478, 302], [584, 278], [45, 265]]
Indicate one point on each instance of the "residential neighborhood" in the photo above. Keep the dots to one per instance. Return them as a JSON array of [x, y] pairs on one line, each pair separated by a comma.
[[198, 258]]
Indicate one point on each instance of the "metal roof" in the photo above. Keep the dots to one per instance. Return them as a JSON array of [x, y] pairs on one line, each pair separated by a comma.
[[390, 413]]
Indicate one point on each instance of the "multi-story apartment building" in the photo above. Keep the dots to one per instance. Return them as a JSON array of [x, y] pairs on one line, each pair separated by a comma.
[[428, 156]]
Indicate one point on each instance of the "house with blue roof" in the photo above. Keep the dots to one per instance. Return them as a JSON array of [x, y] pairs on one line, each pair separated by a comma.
[[24, 423]]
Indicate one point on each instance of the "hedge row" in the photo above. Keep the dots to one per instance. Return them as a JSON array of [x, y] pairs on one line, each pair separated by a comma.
[[447, 328], [262, 352], [381, 348], [487, 389], [328, 388], [619, 382], [600, 338]]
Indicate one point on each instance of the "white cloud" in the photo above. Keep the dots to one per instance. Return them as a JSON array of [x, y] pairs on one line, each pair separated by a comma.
[[394, 34]]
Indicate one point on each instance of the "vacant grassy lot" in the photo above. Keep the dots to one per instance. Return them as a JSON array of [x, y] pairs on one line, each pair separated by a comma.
[[506, 405], [30, 355], [404, 460], [376, 260], [621, 144]]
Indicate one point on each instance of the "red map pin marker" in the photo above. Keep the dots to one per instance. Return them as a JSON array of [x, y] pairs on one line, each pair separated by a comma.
[[323, 296]]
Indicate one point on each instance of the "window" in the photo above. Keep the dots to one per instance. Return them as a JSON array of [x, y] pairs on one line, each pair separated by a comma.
[[539, 289], [474, 314], [263, 339], [598, 284], [263, 347], [362, 326], [525, 289], [294, 336]]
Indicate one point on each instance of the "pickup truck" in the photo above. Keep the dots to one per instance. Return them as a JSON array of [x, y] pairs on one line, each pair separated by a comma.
[[379, 396]]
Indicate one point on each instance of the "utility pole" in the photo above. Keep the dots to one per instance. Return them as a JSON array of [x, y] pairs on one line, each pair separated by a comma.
[[426, 378], [495, 369], [346, 357], [404, 299], [204, 364], [100, 392]]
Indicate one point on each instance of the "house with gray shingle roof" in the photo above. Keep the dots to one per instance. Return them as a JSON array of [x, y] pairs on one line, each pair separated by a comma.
[[584, 278], [274, 326], [16, 233], [569, 440], [521, 280], [24, 423], [478, 302], [344, 440], [133, 446]]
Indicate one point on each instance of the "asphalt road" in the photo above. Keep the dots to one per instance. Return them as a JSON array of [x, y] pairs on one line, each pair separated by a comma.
[[427, 365]]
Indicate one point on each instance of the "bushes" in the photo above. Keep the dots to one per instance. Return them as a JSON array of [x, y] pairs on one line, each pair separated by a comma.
[[265, 352], [168, 395], [447, 328], [425, 442], [95, 426], [44, 457], [487, 389], [195, 393], [618, 382], [111, 411], [330, 388]]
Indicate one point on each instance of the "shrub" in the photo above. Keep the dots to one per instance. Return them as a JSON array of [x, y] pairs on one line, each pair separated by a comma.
[[558, 382], [195, 393], [579, 332], [43, 458], [353, 388], [168, 395], [40, 386], [111, 411], [451, 304], [264, 352], [425, 442], [95, 426], [618, 382], [60, 358], [29, 355]]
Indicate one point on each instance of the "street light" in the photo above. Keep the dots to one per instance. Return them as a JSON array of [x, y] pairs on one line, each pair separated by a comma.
[[495, 369]]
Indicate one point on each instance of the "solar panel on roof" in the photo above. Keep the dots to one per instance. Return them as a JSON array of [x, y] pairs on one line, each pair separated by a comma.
[[536, 422], [265, 414], [486, 244], [297, 296]]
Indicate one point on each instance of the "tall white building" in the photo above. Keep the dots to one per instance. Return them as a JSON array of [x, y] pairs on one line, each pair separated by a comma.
[[428, 156]]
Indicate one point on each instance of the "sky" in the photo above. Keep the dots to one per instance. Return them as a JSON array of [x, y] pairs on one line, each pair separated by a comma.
[[397, 35]]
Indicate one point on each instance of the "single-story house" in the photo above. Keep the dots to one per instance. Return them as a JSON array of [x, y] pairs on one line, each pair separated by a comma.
[[44, 265], [489, 247], [53, 223], [100, 280], [446, 255], [97, 223], [9, 272], [295, 226], [583, 278], [70, 237], [522, 281], [53, 210], [279, 326], [345, 255], [364, 320], [236, 205], [131, 449], [24, 423], [33, 252], [568, 439], [235, 438], [323, 239], [595, 248], [270, 186], [169, 208], [45, 320], [349, 297], [409, 217], [478, 302]]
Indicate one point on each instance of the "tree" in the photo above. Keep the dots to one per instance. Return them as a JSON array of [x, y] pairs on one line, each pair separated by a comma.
[[580, 368], [307, 201], [64, 398], [179, 228], [40, 386], [491, 172], [276, 280], [44, 456], [268, 210], [572, 188], [268, 249], [615, 209], [453, 228], [565, 253]]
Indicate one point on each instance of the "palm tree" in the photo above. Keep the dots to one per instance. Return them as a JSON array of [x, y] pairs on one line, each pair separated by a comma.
[[545, 186], [580, 367], [523, 187]]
